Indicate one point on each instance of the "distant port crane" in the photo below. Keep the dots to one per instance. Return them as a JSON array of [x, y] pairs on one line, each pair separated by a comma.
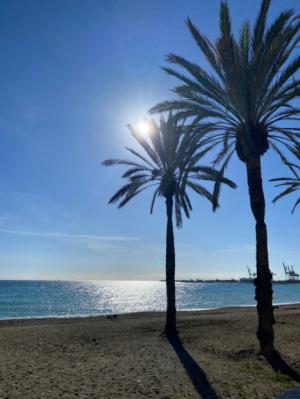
[[290, 273], [251, 275]]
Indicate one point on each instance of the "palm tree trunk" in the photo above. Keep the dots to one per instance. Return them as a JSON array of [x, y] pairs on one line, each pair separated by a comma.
[[263, 281], [170, 327]]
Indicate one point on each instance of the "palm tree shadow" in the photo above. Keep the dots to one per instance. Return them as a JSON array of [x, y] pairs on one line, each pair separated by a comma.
[[194, 371], [279, 365]]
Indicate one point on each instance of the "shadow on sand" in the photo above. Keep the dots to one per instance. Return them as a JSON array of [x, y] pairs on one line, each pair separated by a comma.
[[279, 365], [194, 371]]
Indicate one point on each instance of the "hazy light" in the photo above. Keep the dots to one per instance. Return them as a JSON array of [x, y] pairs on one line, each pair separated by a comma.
[[144, 128]]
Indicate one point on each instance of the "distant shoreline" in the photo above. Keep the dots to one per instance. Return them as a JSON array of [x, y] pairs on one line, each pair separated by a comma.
[[80, 317], [234, 281], [242, 281]]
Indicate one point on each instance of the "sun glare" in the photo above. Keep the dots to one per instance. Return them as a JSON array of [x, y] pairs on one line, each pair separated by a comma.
[[143, 127]]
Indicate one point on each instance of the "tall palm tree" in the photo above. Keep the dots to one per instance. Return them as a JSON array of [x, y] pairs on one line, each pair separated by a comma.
[[170, 166], [241, 103]]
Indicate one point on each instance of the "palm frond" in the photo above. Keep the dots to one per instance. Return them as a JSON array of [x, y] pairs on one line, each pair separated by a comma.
[[178, 213], [156, 192], [127, 188], [132, 193], [260, 24], [245, 40], [132, 171], [111, 162], [206, 47], [290, 184], [284, 193], [296, 204], [135, 153], [145, 145], [200, 190]]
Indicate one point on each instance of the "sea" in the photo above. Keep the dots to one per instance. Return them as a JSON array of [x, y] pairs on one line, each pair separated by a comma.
[[42, 299]]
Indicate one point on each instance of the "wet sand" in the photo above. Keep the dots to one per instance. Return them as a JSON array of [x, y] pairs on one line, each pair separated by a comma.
[[127, 357]]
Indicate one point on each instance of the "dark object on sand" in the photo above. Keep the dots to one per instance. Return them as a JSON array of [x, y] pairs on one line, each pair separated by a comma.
[[111, 316]]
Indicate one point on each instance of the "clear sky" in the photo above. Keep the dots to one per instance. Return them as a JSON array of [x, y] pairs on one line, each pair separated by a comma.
[[73, 74]]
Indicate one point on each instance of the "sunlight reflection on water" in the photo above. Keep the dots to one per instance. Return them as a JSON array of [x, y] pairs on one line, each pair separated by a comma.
[[20, 299]]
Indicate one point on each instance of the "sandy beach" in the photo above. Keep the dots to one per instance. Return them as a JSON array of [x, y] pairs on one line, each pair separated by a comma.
[[127, 357]]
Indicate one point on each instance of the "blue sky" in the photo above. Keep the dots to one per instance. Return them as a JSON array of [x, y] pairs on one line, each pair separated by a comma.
[[73, 74]]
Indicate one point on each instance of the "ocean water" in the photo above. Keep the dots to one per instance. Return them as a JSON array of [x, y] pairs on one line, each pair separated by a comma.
[[29, 299]]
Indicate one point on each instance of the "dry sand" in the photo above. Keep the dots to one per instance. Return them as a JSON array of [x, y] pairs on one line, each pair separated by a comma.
[[128, 358]]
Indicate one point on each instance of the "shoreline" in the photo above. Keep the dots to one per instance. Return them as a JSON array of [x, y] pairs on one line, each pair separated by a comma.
[[104, 315]]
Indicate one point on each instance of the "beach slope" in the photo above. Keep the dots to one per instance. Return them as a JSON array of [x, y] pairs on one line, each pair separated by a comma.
[[127, 357]]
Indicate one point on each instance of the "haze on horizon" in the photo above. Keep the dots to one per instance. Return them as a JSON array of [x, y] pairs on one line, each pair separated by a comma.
[[72, 76]]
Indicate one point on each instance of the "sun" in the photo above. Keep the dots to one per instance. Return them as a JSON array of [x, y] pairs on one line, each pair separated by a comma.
[[144, 128]]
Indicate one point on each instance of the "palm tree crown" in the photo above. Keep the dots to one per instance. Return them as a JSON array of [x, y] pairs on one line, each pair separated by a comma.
[[250, 90], [170, 165]]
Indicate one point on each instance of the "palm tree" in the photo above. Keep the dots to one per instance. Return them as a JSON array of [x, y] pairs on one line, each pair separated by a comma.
[[241, 103], [291, 185], [170, 166]]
